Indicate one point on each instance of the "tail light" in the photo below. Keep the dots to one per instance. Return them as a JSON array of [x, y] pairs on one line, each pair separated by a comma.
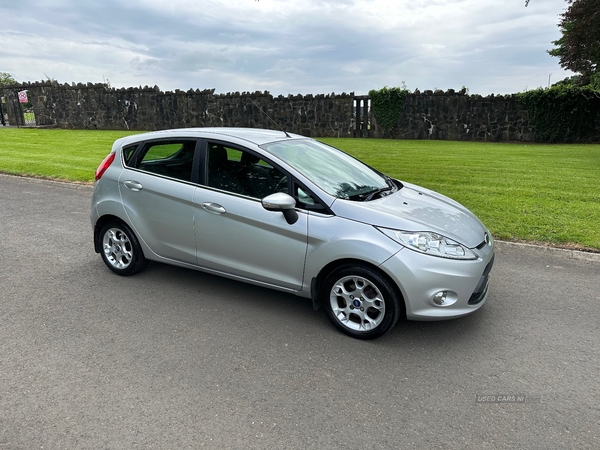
[[105, 164]]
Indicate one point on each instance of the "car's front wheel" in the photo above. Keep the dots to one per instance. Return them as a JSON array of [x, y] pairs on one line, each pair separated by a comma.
[[120, 249], [361, 302]]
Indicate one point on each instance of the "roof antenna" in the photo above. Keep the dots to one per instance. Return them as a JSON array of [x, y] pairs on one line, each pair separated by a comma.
[[269, 117]]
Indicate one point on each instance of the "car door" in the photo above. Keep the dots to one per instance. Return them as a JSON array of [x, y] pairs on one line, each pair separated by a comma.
[[234, 233], [157, 191]]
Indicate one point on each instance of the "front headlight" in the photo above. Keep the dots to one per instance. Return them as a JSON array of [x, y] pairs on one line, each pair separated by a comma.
[[430, 243]]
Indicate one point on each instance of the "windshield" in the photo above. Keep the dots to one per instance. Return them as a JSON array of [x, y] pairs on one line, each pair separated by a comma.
[[332, 170]]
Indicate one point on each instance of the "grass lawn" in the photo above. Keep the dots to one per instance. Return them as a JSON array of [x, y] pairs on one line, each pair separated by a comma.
[[528, 192], [71, 155]]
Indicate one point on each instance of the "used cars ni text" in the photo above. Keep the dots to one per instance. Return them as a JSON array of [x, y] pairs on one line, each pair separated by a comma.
[[288, 212]]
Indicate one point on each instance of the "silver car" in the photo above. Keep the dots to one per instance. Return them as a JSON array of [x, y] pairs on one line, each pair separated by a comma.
[[291, 213]]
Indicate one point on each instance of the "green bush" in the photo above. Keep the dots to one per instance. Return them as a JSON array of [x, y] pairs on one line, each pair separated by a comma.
[[387, 104], [563, 113]]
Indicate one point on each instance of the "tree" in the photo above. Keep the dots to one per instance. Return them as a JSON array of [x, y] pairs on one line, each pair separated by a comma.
[[6, 79], [579, 47]]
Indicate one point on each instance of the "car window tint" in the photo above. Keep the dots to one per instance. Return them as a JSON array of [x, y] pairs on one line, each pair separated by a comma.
[[171, 159], [128, 153], [242, 172], [304, 197], [307, 200], [161, 151]]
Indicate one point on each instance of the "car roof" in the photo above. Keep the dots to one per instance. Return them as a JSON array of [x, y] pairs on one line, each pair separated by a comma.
[[256, 136]]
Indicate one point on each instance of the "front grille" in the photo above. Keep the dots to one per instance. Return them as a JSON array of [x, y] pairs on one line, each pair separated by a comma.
[[482, 286]]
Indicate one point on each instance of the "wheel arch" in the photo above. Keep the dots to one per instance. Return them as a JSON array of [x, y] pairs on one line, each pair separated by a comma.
[[100, 224], [318, 281]]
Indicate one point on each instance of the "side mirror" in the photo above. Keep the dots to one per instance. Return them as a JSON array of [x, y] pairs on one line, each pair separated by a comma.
[[283, 203]]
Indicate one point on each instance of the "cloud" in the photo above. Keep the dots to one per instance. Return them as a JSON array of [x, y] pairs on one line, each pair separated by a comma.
[[284, 46]]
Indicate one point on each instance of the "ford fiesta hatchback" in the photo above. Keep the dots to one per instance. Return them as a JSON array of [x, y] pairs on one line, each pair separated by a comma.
[[290, 213]]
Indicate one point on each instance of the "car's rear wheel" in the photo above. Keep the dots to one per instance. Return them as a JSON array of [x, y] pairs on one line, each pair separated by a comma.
[[361, 302], [121, 250]]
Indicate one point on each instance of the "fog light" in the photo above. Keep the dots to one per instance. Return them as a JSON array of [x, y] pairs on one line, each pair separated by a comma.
[[440, 298]]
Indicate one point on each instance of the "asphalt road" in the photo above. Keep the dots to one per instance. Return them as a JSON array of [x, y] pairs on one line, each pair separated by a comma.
[[173, 359]]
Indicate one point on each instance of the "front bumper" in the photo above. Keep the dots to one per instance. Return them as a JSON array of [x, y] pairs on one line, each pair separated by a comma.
[[436, 288]]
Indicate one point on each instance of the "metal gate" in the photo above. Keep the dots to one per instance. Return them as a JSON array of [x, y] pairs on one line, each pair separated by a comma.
[[29, 118], [19, 109], [362, 116], [26, 109]]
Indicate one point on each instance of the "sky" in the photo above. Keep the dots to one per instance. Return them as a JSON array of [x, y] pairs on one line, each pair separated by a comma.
[[284, 46]]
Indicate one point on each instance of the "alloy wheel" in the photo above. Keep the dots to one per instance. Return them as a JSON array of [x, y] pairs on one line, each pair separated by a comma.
[[357, 303], [117, 248]]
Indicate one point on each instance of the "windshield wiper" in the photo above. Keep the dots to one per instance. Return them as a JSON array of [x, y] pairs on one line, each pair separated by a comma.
[[391, 186], [377, 192]]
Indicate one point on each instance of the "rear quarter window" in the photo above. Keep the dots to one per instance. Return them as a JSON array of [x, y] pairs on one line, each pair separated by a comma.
[[128, 153]]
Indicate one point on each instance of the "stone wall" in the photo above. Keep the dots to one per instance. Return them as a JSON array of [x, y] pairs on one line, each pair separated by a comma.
[[96, 106], [443, 115], [458, 116]]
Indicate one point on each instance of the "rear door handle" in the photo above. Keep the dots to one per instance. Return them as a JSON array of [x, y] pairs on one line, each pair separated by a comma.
[[214, 208], [133, 185]]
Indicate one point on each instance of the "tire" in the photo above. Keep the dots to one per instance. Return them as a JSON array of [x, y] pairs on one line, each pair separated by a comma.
[[121, 250], [361, 302]]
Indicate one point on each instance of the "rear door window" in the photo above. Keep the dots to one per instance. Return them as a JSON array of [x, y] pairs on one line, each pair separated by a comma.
[[174, 159]]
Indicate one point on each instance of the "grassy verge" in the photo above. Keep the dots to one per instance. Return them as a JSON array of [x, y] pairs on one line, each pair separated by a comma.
[[530, 192], [71, 155], [539, 193]]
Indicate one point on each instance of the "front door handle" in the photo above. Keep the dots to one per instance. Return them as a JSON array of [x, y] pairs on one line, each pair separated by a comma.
[[214, 208], [133, 185]]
